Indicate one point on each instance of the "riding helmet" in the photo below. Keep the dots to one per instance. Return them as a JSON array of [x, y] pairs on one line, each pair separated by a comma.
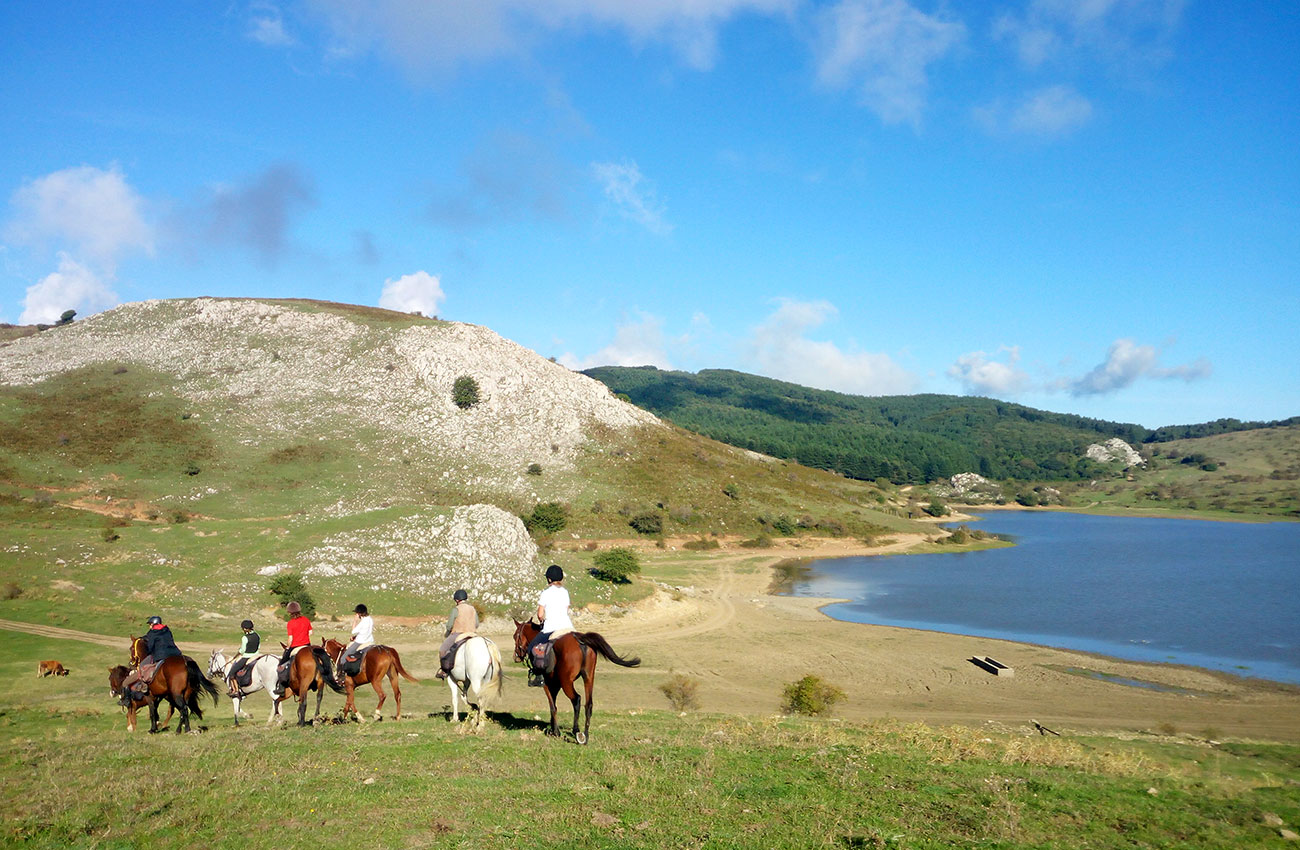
[[247, 625], [554, 573], [460, 596], [293, 607], [362, 610], [154, 620]]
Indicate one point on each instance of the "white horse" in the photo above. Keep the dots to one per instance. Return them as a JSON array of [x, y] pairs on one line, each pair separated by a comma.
[[264, 675], [475, 676]]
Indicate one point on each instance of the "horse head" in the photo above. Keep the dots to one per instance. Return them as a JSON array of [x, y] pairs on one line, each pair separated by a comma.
[[137, 650], [524, 633], [216, 663], [332, 648]]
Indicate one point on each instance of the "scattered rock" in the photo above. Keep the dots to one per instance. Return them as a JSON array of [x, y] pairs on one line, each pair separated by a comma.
[[1271, 819], [1114, 449], [1288, 835]]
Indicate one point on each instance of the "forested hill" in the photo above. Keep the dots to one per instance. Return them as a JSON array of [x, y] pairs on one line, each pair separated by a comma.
[[907, 439]]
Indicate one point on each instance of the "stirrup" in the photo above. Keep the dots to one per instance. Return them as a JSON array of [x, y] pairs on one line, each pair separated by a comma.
[[441, 674], [535, 678]]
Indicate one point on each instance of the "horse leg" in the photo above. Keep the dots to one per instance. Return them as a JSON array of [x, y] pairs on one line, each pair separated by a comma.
[[547, 686], [184, 724], [301, 693], [378, 684], [589, 680], [320, 695], [130, 717], [153, 717], [572, 693], [397, 692], [349, 702], [234, 701]]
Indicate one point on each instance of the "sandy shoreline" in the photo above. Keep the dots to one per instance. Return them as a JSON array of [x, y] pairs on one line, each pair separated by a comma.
[[743, 644]]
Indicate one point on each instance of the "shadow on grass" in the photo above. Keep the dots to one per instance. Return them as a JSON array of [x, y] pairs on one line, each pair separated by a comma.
[[503, 719]]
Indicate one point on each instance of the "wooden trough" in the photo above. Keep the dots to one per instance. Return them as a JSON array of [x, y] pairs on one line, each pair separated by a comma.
[[989, 665]]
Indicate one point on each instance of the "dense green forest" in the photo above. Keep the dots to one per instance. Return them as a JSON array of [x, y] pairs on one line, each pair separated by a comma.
[[906, 439]]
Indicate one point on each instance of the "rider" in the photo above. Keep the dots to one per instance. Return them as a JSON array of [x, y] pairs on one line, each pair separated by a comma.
[[299, 629], [553, 614], [248, 647], [463, 621], [363, 635], [158, 645]]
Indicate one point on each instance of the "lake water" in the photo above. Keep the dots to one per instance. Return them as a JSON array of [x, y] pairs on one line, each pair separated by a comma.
[[1220, 595]]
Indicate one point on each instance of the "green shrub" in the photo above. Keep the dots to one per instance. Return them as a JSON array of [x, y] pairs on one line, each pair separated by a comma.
[[288, 587], [616, 565], [783, 526], [936, 508], [1029, 500], [10, 591], [647, 523], [731, 491], [762, 541], [464, 392], [534, 469], [811, 696], [702, 544], [547, 517], [682, 692]]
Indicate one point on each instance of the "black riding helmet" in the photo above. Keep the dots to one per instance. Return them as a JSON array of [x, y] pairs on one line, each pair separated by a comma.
[[154, 620], [554, 573], [247, 625], [460, 596], [362, 610]]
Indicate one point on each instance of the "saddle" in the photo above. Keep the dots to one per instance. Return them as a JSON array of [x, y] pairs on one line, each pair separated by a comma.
[[244, 678], [445, 661], [350, 664]]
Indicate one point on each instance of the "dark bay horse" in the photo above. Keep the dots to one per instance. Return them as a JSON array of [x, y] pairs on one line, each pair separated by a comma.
[[575, 657], [179, 681], [379, 662], [116, 676], [310, 670]]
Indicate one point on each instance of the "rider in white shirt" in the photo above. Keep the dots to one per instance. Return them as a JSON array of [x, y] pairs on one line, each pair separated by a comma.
[[552, 613], [363, 635]]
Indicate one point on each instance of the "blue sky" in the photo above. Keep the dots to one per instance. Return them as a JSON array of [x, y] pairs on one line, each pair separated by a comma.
[[1088, 206]]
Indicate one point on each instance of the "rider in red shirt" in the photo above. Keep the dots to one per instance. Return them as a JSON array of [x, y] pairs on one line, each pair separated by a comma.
[[299, 628]]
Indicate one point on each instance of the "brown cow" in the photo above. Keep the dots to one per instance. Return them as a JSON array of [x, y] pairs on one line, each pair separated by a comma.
[[50, 668]]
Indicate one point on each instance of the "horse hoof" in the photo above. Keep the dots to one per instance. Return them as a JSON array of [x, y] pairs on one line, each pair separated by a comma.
[[580, 737]]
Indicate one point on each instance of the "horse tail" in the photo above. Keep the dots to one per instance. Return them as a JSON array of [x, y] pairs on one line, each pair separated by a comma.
[[397, 660], [199, 682], [496, 682], [598, 643], [323, 661]]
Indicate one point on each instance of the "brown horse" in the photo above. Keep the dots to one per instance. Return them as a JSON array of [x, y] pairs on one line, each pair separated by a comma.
[[116, 676], [309, 670], [178, 680], [379, 661], [575, 657]]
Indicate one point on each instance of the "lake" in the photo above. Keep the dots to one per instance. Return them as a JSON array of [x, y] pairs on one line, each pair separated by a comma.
[[1220, 595]]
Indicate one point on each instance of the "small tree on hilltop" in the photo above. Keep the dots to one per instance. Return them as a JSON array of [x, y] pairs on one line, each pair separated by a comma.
[[547, 517], [288, 587], [464, 392], [616, 565]]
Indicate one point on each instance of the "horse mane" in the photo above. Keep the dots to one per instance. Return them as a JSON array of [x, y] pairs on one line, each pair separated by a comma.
[[323, 659]]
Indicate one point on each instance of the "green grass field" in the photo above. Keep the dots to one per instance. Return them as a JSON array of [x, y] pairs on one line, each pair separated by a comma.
[[71, 776]]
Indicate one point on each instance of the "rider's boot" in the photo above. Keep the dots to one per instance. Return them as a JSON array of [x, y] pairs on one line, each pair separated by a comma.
[[534, 678], [441, 674]]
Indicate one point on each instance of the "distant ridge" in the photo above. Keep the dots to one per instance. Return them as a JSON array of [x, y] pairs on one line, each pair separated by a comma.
[[906, 439]]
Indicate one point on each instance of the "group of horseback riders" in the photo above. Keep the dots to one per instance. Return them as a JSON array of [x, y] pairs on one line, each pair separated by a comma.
[[463, 622]]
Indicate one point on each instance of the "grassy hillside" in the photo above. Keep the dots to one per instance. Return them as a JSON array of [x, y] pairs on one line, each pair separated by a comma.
[[907, 439], [71, 777], [166, 455]]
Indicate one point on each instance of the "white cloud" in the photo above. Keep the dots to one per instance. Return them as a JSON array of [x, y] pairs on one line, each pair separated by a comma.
[[90, 211], [1127, 361], [436, 38], [883, 48], [1052, 111], [636, 343], [631, 194], [981, 375], [72, 287], [779, 349], [411, 293], [266, 26], [1129, 35]]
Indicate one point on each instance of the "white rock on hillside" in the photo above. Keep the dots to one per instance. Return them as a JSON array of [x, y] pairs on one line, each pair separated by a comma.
[[480, 548], [1114, 449], [964, 482], [283, 370]]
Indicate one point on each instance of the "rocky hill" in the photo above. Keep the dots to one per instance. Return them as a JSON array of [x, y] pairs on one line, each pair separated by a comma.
[[326, 439]]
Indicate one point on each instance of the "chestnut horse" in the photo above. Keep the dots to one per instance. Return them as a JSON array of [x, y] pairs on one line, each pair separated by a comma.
[[178, 680], [378, 662], [575, 657], [309, 670], [116, 676]]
